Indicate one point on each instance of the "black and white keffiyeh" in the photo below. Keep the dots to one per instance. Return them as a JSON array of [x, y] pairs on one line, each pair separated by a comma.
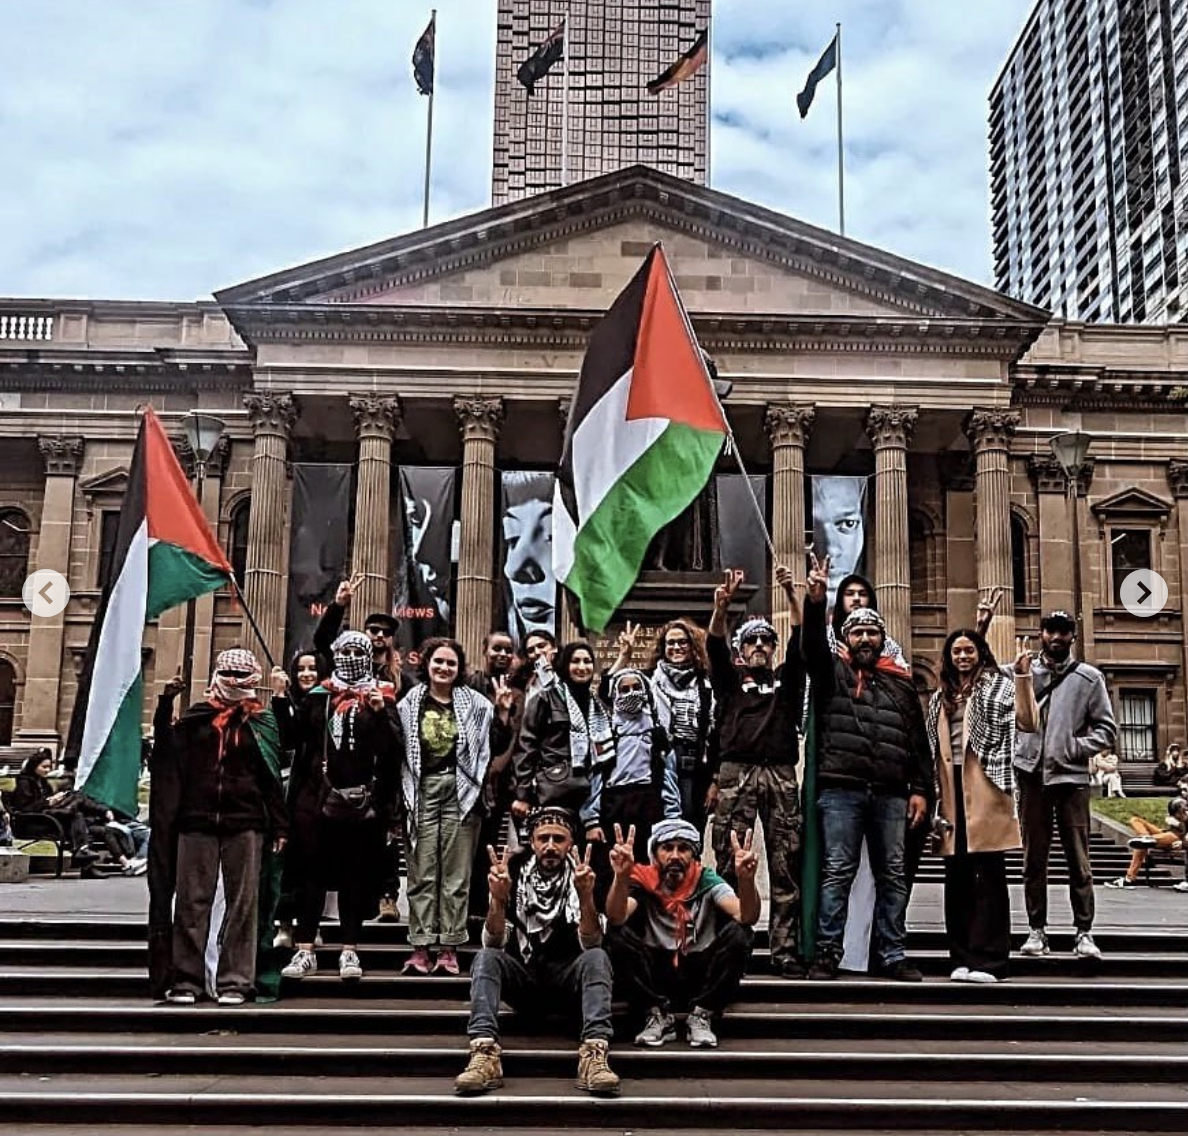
[[989, 728], [543, 900]]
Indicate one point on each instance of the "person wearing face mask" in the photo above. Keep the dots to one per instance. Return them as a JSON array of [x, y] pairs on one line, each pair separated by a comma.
[[874, 768], [759, 709], [971, 725], [343, 800], [229, 808], [380, 629], [1076, 722], [449, 733], [639, 786]]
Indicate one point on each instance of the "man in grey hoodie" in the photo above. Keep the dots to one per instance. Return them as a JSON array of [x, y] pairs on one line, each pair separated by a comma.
[[1075, 722]]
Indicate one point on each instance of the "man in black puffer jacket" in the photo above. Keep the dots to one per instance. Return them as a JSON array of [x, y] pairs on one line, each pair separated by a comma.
[[873, 768]]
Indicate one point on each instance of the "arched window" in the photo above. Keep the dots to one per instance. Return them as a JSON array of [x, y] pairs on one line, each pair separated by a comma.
[[1020, 552], [7, 700], [237, 538], [14, 551]]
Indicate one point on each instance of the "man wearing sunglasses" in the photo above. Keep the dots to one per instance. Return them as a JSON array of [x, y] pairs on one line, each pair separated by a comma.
[[759, 705]]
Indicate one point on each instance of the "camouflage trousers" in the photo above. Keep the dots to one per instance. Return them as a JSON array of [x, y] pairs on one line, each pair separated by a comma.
[[771, 794]]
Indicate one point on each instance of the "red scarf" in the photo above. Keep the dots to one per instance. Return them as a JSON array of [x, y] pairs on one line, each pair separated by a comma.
[[883, 663], [343, 698], [230, 717], [674, 902]]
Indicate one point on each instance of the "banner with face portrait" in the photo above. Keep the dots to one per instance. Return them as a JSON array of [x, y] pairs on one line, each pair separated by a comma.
[[528, 586], [319, 546], [741, 542], [423, 555], [839, 524]]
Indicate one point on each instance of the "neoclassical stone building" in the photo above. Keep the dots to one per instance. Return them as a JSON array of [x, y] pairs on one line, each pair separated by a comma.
[[458, 346]]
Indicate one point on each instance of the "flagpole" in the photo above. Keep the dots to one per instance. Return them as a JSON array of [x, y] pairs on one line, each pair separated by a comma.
[[709, 105], [429, 125], [841, 172], [565, 100], [252, 622]]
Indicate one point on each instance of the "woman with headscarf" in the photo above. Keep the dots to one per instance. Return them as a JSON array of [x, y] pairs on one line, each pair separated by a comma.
[[565, 733], [971, 725], [229, 808], [449, 733], [342, 800]]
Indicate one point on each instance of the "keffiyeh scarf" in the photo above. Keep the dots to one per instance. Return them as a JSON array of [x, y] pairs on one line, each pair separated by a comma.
[[591, 740], [542, 901]]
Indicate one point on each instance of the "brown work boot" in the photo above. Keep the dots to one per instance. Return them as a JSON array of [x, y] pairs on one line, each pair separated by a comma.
[[594, 1073], [485, 1070]]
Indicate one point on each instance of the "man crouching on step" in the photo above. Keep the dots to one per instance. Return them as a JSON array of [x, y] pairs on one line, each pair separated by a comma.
[[542, 946]]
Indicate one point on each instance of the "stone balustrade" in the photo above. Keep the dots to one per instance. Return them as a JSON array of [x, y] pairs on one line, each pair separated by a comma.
[[21, 327]]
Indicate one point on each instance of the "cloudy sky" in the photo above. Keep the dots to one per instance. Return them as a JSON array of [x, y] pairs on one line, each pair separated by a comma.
[[162, 150]]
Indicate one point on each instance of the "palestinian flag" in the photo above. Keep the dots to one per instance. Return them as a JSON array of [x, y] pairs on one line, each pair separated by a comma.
[[685, 67], [165, 554], [537, 65], [423, 57], [644, 433]]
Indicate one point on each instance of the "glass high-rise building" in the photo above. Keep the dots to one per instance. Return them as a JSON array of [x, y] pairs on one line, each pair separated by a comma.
[[1088, 144], [614, 49]]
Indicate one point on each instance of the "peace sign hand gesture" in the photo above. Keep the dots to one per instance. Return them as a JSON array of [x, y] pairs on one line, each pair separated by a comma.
[[622, 853], [725, 591], [627, 639], [817, 585], [505, 696], [583, 874], [499, 878], [347, 589], [746, 860], [1023, 656]]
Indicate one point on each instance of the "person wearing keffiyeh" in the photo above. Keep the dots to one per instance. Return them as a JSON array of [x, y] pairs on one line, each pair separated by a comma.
[[679, 934], [229, 806]]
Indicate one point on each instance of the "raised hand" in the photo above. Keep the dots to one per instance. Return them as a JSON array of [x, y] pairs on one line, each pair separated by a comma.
[[174, 686], [583, 874], [375, 699], [347, 589], [725, 591], [280, 682], [746, 859], [1023, 656], [627, 638], [817, 585], [987, 606], [499, 878], [622, 853], [505, 696]]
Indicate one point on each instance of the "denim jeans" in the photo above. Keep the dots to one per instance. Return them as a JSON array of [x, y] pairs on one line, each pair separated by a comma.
[[847, 815], [497, 976]]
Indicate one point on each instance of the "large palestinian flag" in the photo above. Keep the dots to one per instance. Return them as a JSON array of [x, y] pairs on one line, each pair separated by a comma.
[[164, 555], [644, 433]]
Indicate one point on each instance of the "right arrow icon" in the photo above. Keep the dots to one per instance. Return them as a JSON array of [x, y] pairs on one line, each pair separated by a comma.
[[1144, 593]]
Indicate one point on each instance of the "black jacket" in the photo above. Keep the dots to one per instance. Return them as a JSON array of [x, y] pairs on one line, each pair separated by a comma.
[[327, 631], [29, 794], [873, 739], [758, 711]]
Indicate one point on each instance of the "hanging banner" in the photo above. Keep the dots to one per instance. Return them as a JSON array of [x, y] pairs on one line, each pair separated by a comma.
[[319, 546], [839, 523], [741, 543], [528, 587], [424, 554]]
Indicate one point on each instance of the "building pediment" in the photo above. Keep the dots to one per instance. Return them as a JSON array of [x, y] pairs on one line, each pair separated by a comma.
[[573, 249], [1133, 504], [113, 482]]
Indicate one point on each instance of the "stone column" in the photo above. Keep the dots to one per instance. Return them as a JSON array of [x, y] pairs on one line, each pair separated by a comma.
[[376, 419], [479, 420], [990, 432], [890, 429], [788, 426], [1057, 549], [39, 708], [1177, 479], [265, 584]]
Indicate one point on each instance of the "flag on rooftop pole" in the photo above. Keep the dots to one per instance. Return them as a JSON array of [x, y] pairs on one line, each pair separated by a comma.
[[825, 64], [644, 433], [423, 57], [165, 554], [537, 65], [685, 67]]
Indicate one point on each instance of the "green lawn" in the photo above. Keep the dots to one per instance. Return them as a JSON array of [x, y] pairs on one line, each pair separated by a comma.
[[1121, 809]]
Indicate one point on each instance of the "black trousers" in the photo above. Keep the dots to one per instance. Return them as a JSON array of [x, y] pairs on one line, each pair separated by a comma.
[[978, 911], [708, 978], [1065, 807]]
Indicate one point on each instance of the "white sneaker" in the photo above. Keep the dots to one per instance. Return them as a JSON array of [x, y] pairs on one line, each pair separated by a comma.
[[283, 939], [349, 967], [231, 998], [1121, 882], [302, 963], [181, 997], [1085, 947], [980, 976], [1036, 943], [1181, 886], [960, 974]]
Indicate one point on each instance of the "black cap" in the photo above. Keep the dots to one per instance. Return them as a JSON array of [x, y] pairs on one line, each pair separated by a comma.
[[383, 619], [1058, 620]]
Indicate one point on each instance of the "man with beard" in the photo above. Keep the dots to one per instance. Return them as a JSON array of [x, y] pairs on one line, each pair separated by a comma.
[[874, 767], [1076, 722], [542, 945], [679, 932], [759, 707]]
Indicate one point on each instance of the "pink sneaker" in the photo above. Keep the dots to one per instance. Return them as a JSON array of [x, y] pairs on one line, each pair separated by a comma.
[[447, 961], [418, 961]]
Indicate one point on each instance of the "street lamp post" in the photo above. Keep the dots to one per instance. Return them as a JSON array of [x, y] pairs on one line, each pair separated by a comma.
[[203, 432], [1070, 450]]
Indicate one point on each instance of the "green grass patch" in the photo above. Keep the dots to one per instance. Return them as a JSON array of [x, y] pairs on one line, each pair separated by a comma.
[[1121, 809]]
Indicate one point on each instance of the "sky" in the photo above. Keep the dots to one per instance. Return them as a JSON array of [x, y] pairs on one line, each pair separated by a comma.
[[163, 149]]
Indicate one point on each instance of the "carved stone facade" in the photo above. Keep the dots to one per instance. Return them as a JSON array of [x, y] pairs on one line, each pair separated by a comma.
[[467, 339]]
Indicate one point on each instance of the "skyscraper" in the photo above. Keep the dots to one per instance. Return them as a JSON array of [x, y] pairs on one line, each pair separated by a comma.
[[613, 49], [1088, 139]]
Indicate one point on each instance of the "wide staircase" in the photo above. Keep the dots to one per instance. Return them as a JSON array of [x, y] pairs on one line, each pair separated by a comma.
[[1057, 1048]]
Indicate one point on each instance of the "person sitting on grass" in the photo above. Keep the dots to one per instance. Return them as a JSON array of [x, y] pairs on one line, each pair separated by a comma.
[[1150, 836]]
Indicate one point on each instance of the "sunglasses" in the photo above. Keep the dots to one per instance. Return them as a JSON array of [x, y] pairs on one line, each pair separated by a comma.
[[761, 637], [676, 642], [380, 631]]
